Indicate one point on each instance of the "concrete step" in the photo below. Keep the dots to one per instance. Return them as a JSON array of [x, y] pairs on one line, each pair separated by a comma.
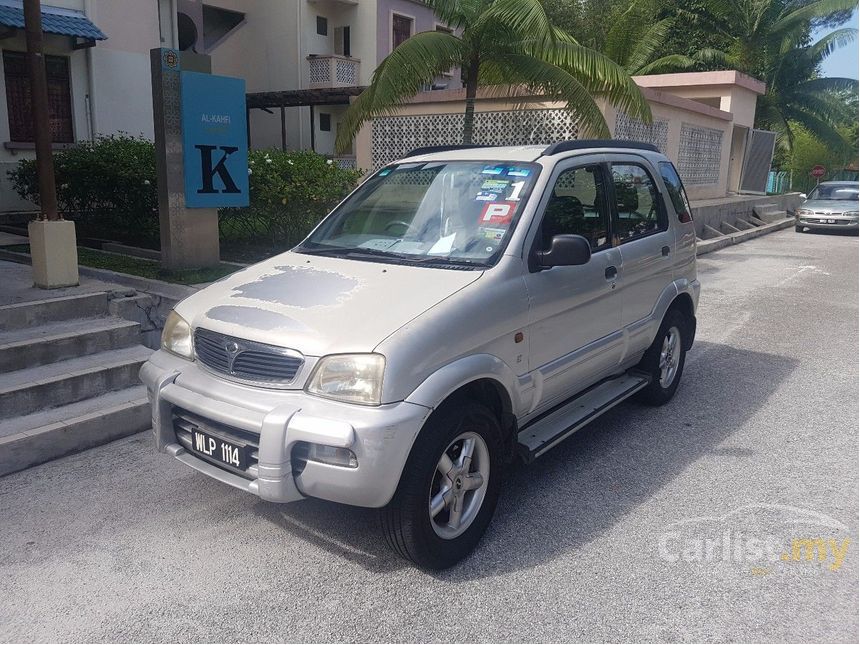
[[25, 348], [38, 312], [43, 436], [39, 388]]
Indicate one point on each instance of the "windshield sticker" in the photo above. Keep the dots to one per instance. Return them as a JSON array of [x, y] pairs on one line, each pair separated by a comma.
[[497, 185], [518, 172], [486, 196], [382, 173], [495, 234], [493, 170], [497, 213]]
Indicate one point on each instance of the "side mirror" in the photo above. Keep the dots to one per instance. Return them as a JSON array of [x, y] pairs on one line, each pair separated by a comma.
[[565, 250], [803, 195]]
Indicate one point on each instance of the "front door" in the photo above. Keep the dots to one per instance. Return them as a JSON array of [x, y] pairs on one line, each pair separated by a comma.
[[574, 313]]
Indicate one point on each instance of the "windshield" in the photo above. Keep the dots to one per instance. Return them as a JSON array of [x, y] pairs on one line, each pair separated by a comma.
[[841, 193], [438, 213]]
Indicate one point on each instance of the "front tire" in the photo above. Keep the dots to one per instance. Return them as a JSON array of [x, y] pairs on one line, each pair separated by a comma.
[[798, 229], [449, 487], [664, 360]]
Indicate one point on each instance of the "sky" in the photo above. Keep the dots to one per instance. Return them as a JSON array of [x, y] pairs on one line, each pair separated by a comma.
[[844, 61]]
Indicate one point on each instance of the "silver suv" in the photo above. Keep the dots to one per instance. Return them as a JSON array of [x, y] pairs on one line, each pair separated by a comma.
[[462, 308]]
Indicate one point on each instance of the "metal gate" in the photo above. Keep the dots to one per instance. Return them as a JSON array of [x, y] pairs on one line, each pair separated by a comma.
[[757, 158]]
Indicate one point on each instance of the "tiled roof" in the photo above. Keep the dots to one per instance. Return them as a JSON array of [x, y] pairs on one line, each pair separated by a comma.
[[55, 20]]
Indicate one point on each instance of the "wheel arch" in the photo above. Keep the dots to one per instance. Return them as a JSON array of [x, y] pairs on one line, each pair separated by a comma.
[[683, 303]]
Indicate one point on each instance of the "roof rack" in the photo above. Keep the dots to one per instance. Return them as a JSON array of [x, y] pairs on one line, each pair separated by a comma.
[[426, 150], [581, 144]]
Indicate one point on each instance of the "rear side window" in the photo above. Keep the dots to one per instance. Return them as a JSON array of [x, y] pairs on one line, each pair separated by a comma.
[[676, 192], [637, 202]]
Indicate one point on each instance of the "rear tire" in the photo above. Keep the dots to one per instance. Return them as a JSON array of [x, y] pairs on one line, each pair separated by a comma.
[[664, 360], [446, 499]]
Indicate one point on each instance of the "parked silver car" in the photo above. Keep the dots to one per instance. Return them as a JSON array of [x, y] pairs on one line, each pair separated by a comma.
[[462, 308], [831, 205]]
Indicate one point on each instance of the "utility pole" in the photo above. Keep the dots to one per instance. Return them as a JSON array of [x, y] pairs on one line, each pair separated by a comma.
[[53, 247], [41, 121]]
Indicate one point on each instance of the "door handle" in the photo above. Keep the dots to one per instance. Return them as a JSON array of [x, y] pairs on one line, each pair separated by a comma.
[[610, 273], [665, 251]]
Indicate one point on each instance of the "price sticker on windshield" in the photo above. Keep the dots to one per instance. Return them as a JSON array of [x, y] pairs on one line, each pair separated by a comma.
[[497, 213]]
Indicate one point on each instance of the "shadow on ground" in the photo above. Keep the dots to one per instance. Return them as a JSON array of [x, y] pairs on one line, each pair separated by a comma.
[[580, 489]]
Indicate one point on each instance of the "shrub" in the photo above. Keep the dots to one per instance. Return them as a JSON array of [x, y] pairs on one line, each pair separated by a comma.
[[290, 193], [107, 186]]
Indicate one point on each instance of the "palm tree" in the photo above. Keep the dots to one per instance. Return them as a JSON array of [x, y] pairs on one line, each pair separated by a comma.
[[798, 97], [769, 39], [637, 35], [501, 43]]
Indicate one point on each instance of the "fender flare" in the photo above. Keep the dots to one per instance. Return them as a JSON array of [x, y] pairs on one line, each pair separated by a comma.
[[448, 379]]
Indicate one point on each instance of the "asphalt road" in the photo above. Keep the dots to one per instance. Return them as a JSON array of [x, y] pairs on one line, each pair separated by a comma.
[[645, 526]]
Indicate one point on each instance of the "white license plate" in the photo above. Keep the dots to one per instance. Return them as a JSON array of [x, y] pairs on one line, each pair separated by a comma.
[[828, 221]]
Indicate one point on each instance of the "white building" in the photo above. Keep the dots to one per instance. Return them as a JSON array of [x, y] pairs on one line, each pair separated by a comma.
[[307, 51]]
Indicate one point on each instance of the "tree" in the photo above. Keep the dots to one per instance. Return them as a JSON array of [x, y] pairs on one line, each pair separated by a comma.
[[637, 35], [501, 43], [770, 40]]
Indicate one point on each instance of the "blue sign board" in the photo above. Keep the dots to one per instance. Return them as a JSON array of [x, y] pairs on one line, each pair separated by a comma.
[[215, 140]]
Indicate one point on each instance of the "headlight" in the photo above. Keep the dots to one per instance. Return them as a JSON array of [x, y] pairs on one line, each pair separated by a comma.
[[851, 213], [803, 212], [353, 378], [176, 337]]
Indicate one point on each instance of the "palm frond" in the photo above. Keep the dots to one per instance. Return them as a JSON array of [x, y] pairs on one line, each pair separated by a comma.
[[830, 43], [549, 81], [400, 76], [828, 84], [807, 12], [667, 64], [647, 43], [597, 73]]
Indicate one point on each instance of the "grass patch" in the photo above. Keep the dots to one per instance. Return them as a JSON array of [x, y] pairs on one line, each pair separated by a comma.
[[140, 266]]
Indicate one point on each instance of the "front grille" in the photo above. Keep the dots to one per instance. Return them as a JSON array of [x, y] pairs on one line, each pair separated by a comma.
[[184, 422], [247, 360]]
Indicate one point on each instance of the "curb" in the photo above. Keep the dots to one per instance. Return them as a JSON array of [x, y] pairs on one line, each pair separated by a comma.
[[148, 285], [707, 246]]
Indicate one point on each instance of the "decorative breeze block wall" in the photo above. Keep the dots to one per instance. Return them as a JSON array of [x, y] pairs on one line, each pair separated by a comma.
[[627, 127], [393, 137], [700, 154]]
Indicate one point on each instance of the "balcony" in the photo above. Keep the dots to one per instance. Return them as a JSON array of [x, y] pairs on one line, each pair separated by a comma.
[[325, 71]]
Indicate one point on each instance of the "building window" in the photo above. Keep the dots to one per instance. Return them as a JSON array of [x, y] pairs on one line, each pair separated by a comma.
[[20, 106], [322, 26], [325, 122], [401, 29]]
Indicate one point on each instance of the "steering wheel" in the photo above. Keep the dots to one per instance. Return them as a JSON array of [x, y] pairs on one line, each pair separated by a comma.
[[406, 225]]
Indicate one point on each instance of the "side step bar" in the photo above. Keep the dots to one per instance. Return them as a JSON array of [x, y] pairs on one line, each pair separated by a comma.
[[555, 426]]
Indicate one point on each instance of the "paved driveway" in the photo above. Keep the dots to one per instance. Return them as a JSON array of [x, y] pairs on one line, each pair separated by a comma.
[[666, 524]]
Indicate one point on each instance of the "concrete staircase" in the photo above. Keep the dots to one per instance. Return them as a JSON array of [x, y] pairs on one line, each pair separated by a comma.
[[764, 219], [68, 378]]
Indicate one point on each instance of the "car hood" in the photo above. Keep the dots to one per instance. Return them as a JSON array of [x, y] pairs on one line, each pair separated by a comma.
[[320, 305], [829, 205]]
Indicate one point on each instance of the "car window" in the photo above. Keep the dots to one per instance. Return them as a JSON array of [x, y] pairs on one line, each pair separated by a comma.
[[577, 207], [637, 202], [676, 192], [835, 192], [442, 212]]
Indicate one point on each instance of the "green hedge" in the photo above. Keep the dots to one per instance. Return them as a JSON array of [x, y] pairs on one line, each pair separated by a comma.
[[108, 188]]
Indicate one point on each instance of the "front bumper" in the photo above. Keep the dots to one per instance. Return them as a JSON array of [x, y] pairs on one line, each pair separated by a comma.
[[381, 437], [838, 224]]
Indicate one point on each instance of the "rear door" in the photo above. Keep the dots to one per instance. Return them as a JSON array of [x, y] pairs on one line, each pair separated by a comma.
[[647, 244]]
